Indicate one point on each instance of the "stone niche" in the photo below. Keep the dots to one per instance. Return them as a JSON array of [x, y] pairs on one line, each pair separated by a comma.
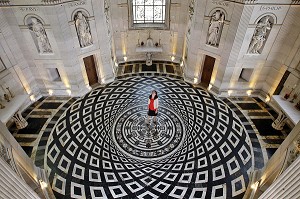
[[261, 34]]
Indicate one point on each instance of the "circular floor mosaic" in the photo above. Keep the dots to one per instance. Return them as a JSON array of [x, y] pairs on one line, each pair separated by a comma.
[[102, 148], [143, 141]]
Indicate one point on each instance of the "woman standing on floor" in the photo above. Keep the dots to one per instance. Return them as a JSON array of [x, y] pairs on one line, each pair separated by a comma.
[[152, 107]]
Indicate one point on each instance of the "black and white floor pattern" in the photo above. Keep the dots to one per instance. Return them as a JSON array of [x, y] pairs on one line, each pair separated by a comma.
[[102, 148]]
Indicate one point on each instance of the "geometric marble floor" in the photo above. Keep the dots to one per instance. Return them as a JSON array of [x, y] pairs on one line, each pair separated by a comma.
[[100, 147]]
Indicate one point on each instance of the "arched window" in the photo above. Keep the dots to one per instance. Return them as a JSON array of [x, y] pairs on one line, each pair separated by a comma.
[[149, 13]]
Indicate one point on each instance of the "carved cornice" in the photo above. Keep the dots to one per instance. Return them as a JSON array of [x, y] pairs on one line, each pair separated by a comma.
[[52, 1], [246, 1], [4, 2], [56, 2], [297, 2]]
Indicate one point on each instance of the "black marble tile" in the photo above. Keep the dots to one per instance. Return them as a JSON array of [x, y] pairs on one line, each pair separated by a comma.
[[57, 98], [39, 163], [243, 119], [149, 68], [249, 106], [273, 113], [264, 127], [161, 68], [270, 151], [40, 153], [258, 114], [255, 144], [25, 139], [50, 105], [50, 125], [28, 150], [128, 69], [273, 141], [40, 113], [136, 68], [46, 133], [248, 127], [43, 143], [34, 126], [169, 68], [257, 99]]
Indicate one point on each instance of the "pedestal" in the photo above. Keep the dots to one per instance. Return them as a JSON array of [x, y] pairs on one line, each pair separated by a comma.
[[279, 123], [19, 120], [12, 110], [287, 111]]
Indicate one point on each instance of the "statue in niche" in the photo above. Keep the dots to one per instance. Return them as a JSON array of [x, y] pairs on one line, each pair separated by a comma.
[[106, 12], [260, 35], [83, 30], [149, 60], [39, 31], [215, 28], [191, 13]]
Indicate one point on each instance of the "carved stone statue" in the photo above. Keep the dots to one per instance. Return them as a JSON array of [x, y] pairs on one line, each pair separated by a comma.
[[149, 60], [191, 14], [260, 35], [41, 36], [6, 97], [215, 28], [83, 30]]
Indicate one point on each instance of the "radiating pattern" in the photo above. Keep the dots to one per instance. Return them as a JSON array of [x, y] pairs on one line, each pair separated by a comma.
[[99, 146]]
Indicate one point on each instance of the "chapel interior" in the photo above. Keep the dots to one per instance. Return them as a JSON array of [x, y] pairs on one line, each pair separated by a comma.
[[75, 81]]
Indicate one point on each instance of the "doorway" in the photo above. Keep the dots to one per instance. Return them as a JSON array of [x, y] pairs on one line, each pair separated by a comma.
[[281, 83], [208, 68], [90, 68]]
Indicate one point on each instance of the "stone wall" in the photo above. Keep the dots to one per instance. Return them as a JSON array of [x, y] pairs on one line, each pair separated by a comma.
[[42, 38], [259, 36]]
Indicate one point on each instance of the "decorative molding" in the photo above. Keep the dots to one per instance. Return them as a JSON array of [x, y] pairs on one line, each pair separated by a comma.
[[297, 2], [250, 1], [52, 1], [4, 2], [77, 2]]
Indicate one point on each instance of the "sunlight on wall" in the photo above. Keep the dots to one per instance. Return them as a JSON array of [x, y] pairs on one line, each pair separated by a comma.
[[124, 38], [174, 42], [277, 79], [23, 80]]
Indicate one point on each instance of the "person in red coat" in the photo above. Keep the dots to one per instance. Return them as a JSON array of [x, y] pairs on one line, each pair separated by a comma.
[[152, 107]]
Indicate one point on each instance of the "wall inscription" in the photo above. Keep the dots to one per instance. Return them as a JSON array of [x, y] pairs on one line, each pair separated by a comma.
[[80, 3], [220, 3], [29, 9], [270, 8]]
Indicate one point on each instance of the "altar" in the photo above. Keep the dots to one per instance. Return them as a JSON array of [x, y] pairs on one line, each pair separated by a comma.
[[288, 111]]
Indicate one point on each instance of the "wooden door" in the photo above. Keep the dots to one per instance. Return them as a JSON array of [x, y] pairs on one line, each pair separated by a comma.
[[90, 68], [281, 83], [208, 68]]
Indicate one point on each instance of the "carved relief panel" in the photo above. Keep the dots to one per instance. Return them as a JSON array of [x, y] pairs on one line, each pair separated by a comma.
[[39, 35], [83, 30], [215, 28], [260, 35]]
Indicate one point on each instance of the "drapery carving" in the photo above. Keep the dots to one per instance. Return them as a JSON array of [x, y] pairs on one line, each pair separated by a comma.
[[215, 28], [260, 35], [83, 30], [40, 35]]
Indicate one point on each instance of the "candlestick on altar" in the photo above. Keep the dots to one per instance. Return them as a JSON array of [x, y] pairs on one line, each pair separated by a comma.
[[10, 93]]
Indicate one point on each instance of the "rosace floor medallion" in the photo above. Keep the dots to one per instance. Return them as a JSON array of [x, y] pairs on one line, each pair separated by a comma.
[[138, 139], [101, 146]]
